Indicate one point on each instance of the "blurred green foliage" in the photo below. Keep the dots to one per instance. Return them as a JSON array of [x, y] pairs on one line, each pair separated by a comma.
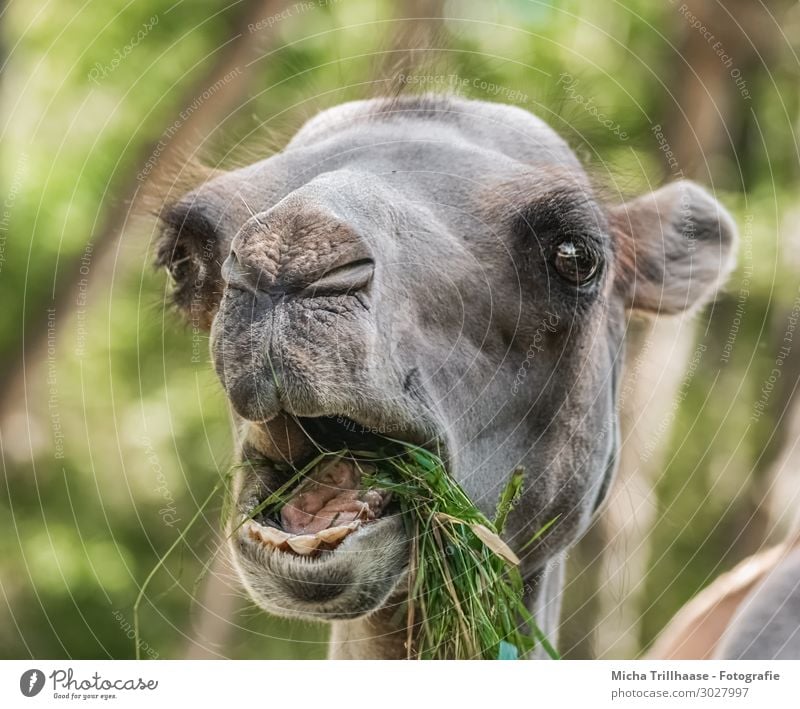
[[124, 431]]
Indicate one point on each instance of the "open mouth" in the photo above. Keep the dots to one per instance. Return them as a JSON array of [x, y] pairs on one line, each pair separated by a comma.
[[312, 512]]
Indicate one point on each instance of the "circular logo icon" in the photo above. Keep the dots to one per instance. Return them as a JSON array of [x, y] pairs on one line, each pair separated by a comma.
[[31, 682]]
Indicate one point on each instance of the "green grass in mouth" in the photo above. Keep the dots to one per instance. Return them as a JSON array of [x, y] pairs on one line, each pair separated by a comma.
[[465, 590]]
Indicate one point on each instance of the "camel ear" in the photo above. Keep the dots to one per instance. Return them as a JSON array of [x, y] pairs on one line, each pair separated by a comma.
[[675, 247], [189, 248]]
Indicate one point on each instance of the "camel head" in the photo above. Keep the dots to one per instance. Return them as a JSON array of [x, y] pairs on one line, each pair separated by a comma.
[[436, 270]]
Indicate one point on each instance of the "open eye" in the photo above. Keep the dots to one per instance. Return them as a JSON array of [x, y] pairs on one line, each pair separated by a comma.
[[576, 261]]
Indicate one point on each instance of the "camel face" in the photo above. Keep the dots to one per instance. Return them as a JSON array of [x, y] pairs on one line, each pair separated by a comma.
[[434, 270]]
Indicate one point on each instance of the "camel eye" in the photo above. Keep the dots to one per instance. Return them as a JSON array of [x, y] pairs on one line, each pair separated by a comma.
[[576, 261]]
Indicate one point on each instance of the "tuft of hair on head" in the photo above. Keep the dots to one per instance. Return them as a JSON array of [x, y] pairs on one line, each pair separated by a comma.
[[410, 66], [182, 172]]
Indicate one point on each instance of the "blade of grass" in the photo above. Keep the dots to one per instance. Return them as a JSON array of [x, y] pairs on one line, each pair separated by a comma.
[[540, 533], [508, 498], [162, 560]]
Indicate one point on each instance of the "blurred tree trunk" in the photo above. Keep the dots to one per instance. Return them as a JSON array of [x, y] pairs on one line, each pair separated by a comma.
[[710, 139], [582, 599], [656, 368], [602, 610], [219, 601], [3, 49], [778, 491]]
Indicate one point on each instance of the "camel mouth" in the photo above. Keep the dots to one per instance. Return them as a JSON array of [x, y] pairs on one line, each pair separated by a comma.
[[336, 546], [333, 498], [331, 502]]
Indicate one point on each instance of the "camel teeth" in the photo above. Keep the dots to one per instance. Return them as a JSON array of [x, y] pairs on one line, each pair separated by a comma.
[[336, 534], [303, 544], [266, 535], [273, 536]]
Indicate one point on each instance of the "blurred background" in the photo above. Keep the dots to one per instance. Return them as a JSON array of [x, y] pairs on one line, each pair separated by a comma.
[[113, 430]]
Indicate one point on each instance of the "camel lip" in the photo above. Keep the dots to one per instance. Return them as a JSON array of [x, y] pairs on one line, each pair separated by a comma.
[[343, 584], [268, 456]]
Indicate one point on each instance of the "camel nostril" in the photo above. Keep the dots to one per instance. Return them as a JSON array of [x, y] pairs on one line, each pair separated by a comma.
[[236, 275], [231, 269], [348, 278]]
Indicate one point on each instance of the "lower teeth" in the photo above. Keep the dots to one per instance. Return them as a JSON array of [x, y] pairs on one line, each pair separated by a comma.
[[302, 544]]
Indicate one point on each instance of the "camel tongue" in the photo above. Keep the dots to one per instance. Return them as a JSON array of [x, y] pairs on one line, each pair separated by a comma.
[[331, 497]]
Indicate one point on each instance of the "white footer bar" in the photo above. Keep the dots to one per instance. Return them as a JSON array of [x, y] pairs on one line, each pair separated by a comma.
[[386, 685]]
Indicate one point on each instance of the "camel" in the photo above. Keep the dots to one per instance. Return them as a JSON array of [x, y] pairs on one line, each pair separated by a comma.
[[440, 270], [748, 613]]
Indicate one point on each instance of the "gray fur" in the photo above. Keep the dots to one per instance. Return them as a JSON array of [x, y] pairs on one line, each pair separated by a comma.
[[767, 623], [464, 335]]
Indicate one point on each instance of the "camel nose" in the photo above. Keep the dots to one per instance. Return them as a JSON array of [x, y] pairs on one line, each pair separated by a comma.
[[301, 249]]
